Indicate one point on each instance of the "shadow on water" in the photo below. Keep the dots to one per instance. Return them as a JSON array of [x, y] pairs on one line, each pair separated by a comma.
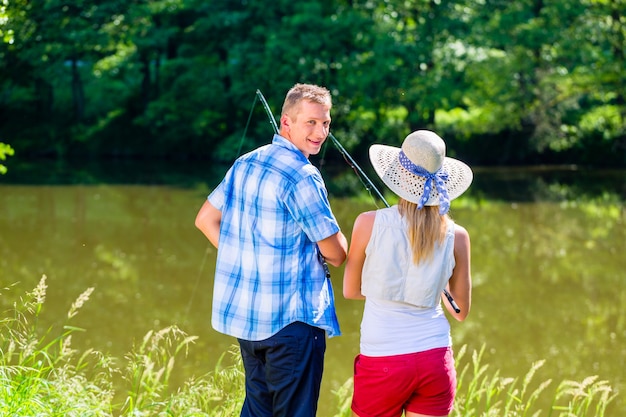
[[519, 184], [547, 263], [123, 171]]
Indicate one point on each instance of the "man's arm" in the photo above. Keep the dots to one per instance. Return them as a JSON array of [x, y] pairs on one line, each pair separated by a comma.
[[208, 221], [334, 248]]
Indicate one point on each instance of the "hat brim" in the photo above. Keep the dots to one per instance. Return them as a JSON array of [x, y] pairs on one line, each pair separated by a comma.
[[409, 186]]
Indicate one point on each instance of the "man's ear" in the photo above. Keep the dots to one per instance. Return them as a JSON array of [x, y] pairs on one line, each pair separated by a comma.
[[285, 122]]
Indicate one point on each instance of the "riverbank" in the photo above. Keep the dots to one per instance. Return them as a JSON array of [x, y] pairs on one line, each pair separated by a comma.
[[42, 374]]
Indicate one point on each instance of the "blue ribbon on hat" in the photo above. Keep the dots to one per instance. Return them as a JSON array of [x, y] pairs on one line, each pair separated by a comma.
[[439, 177]]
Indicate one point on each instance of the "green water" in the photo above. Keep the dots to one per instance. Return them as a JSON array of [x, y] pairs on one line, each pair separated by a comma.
[[548, 268]]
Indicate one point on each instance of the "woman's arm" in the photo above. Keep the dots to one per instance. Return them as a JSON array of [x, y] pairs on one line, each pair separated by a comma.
[[460, 283], [361, 233]]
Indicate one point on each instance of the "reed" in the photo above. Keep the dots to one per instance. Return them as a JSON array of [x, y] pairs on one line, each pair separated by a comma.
[[41, 374], [481, 393]]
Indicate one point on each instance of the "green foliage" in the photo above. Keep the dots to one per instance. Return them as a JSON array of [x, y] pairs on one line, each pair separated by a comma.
[[603, 119], [41, 374], [5, 150], [493, 395], [589, 397], [176, 77]]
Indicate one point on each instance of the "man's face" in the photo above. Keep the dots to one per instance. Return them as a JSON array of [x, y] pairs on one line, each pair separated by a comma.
[[309, 128]]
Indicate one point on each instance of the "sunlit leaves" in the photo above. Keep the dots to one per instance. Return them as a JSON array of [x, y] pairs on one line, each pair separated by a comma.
[[5, 150], [546, 77]]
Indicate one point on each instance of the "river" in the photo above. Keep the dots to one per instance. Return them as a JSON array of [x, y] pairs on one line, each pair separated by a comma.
[[548, 268]]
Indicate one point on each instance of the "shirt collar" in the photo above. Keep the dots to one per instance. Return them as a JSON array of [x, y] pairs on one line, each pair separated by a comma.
[[287, 144]]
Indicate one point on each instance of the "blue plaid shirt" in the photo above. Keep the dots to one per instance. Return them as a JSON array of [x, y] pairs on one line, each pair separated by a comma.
[[274, 209]]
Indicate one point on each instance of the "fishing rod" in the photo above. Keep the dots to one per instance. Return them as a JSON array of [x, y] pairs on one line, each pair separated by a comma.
[[362, 176], [359, 172], [270, 115]]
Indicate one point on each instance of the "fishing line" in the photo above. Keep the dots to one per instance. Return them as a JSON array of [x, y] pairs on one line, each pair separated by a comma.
[[355, 167], [270, 115], [208, 249], [195, 289], [245, 131], [367, 183]]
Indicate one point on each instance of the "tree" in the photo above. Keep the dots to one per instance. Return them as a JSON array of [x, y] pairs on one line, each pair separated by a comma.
[[504, 82]]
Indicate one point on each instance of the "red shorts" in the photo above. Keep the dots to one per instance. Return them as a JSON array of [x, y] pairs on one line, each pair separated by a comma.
[[423, 383]]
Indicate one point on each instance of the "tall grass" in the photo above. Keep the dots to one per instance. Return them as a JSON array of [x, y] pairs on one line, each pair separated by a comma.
[[42, 375], [481, 393]]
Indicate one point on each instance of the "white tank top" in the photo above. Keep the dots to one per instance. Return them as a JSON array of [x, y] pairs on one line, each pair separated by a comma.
[[403, 312]]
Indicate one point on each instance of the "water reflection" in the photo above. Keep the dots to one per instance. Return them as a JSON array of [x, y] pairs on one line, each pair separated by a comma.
[[548, 276]]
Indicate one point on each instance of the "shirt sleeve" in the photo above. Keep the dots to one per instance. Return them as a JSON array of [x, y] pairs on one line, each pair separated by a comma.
[[308, 202], [217, 197]]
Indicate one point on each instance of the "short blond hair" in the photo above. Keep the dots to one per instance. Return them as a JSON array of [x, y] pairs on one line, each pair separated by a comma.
[[308, 92]]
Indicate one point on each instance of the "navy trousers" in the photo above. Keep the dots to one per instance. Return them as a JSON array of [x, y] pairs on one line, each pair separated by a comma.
[[284, 372]]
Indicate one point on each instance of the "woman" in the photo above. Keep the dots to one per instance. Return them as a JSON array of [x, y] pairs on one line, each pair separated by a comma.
[[400, 261]]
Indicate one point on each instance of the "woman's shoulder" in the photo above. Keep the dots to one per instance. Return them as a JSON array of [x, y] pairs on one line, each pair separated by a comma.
[[366, 218], [460, 229], [460, 234]]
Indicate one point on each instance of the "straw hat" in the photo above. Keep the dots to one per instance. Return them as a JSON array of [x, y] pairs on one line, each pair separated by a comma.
[[420, 172]]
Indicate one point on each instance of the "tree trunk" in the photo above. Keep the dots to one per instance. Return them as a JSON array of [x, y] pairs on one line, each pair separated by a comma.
[[78, 93]]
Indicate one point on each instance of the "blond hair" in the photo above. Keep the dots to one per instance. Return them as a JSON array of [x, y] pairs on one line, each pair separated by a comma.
[[426, 228], [301, 92]]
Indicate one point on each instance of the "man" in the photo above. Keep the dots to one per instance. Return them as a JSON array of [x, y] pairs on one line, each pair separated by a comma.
[[272, 224]]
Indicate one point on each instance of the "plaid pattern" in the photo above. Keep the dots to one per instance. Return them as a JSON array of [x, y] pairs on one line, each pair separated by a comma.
[[274, 208]]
